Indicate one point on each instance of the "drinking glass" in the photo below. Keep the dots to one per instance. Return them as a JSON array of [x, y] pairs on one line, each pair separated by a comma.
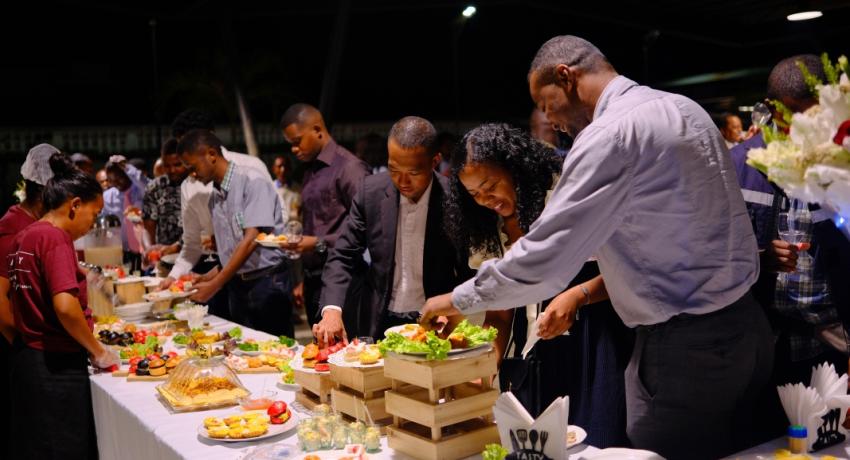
[[293, 231], [795, 227], [206, 242], [761, 114]]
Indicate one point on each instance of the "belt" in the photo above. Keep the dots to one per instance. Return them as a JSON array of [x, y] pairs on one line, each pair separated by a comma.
[[259, 273]]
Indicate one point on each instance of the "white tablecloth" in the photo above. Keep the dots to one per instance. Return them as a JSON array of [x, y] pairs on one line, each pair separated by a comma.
[[766, 451], [132, 423]]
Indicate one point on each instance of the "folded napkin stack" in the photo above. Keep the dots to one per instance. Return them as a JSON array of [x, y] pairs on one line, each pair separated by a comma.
[[819, 407], [530, 439]]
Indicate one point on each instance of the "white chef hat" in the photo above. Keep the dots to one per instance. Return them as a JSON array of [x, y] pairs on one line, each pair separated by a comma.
[[36, 167]]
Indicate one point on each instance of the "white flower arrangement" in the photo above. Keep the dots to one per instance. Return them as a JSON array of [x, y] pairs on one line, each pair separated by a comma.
[[812, 161]]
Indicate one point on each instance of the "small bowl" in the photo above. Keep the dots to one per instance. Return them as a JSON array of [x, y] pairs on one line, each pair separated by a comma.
[[258, 401]]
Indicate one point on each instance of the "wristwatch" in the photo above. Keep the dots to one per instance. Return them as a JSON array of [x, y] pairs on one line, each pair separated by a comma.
[[321, 246]]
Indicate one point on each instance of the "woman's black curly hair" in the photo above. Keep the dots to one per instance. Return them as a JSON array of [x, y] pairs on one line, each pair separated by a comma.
[[532, 166]]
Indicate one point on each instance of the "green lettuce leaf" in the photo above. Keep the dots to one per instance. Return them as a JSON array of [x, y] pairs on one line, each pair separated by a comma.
[[475, 335], [434, 347]]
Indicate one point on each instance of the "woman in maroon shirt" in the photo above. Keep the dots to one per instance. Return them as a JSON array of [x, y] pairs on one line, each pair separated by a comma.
[[51, 397], [35, 172]]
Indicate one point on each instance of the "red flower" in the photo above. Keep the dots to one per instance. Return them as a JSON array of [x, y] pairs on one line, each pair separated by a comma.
[[843, 131]]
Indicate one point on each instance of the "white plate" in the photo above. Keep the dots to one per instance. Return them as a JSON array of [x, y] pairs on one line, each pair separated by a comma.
[[169, 258], [452, 354], [581, 435], [619, 453], [269, 244], [338, 359], [397, 329], [274, 430], [298, 364], [288, 386], [166, 295]]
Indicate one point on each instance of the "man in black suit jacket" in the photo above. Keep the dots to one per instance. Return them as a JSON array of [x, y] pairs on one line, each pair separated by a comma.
[[398, 217]]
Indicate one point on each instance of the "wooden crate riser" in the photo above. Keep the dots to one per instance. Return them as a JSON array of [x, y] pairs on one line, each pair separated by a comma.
[[413, 403], [363, 380], [382, 424], [308, 400], [350, 404], [413, 441], [318, 384], [435, 375]]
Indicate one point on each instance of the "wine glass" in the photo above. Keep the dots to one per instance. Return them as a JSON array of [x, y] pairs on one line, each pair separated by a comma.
[[293, 231], [761, 114], [206, 243]]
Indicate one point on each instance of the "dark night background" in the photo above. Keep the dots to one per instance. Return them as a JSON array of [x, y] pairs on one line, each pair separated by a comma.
[[91, 63]]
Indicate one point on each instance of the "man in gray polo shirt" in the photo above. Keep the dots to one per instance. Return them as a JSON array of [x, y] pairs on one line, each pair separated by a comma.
[[242, 205]]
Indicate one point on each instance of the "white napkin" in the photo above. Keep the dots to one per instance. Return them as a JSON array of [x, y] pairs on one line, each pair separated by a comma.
[[511, 416], [803, 406], [533, 337]]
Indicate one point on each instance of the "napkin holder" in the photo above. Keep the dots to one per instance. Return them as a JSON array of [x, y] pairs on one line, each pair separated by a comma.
[[530, 439]]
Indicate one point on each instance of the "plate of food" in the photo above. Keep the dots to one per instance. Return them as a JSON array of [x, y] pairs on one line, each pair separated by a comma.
[[270, 240], [575, 435], [413, 341], [283, 346], [250, 425], [357, 354], [168, 294], [315, 360]]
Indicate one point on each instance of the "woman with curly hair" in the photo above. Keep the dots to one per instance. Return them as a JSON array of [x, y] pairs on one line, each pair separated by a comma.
[[500, 182]]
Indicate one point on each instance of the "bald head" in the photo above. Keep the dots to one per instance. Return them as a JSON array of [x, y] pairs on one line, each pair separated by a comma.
[[304, 129]]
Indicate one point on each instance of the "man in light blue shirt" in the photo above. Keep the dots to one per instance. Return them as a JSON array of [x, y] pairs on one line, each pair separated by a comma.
[[649, 189], [243, 204]]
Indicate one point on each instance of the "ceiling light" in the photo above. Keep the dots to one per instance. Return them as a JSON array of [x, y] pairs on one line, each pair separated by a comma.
[[468, 11], [804, 15]]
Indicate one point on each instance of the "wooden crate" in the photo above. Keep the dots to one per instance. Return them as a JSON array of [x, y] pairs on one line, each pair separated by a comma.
[[435, 375], [365, 380], [463, 440], [351, 404], [413, 403], [315, 388], [438, 412]]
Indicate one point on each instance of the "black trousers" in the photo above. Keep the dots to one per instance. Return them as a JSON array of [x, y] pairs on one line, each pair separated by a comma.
[[5, 397], [51, 406], [264, 303], [693, 382]]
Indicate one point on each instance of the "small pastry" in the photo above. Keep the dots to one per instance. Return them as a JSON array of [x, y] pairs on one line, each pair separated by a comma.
[[157, 368], [235, 432], [370, 355], [172, 363], [254, 362], [233, 420], [218, 432], [211, 422]]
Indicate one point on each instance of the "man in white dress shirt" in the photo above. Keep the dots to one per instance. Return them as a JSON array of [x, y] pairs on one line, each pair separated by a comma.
[[650, 189], [398, 217], [195, 211]]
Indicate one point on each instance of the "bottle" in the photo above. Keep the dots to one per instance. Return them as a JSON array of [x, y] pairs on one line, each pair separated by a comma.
[[797, 439]]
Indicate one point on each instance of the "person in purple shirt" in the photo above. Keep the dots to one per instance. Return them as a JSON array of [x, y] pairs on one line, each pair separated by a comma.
[[330, 182]]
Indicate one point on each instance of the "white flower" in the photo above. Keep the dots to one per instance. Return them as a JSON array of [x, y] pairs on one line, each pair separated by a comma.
[[835, 101]]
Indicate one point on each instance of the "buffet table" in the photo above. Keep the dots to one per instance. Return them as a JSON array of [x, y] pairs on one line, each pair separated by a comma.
[[132, 423]]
